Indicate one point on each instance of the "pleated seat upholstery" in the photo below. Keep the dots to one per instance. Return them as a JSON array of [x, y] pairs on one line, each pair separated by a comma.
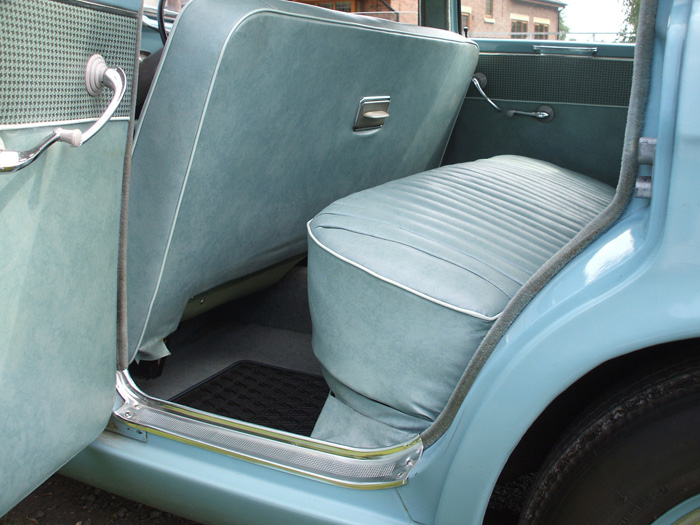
[[405, 279]]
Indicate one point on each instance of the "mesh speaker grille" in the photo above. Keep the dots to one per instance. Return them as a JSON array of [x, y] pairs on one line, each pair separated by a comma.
[[44, 47], [564, 79]]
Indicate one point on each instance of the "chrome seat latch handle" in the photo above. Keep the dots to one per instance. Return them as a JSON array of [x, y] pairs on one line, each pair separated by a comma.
[[372, 113], [97, 76]]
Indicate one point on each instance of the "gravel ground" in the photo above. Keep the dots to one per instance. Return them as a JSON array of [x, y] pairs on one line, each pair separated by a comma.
[[63, 501]]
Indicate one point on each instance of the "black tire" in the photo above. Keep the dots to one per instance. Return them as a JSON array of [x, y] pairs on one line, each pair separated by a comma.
[[628, 460]]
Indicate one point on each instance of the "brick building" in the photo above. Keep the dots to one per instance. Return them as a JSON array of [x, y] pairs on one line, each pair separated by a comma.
[[405, 11], [497, 18], [512, 18]]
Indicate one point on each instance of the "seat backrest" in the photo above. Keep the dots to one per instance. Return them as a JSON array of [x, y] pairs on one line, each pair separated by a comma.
[[248, 132]]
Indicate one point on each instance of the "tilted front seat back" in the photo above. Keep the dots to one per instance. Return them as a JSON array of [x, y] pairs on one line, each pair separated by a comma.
[[248, 133]]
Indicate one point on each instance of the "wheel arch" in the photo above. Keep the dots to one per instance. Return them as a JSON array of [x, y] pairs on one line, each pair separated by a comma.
[[525, 460], [497, 426]]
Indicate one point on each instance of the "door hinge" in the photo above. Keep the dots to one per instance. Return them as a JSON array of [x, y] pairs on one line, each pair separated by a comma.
[[645, 157]]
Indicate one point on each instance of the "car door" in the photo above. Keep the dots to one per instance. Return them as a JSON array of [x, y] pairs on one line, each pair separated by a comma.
[[59, 230], [586, 86]]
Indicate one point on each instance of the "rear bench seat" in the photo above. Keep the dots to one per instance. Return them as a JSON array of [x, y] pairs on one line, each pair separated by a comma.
[[405, 279]]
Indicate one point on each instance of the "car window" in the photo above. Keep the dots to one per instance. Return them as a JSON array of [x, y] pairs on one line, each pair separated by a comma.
[[570, 20], [172, 5], [573, 20], [405, 11]]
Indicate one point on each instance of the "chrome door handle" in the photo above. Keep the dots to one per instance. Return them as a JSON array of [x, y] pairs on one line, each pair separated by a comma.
[[97, 76], [543, 113]]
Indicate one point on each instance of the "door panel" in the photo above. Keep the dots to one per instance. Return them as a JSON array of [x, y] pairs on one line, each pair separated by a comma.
[[589, 95], [59, 231], [587, 139]]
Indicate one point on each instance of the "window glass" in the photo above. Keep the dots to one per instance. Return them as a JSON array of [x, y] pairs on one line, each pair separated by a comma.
[[405, 11], [172, 5], [571, 20]]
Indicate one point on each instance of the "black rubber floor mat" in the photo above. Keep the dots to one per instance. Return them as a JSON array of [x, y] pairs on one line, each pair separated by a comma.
[[261, 394]]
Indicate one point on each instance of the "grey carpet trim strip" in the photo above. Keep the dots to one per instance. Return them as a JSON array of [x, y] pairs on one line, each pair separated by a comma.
[[628, 175], [122, 326]]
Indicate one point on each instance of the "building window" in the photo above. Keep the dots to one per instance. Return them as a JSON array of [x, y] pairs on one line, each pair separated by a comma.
[[541, 31], [518, 29], [489, 8], [465, 20]]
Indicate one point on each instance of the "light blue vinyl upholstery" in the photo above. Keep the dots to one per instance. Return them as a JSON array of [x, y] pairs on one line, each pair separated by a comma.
[[248, 133], [405, 279]]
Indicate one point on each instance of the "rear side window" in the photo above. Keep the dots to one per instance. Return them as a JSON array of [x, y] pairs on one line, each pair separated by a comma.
[[572, 20], [405, 11]]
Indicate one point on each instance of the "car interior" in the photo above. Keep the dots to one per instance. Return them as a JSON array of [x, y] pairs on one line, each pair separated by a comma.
[[326, 218]]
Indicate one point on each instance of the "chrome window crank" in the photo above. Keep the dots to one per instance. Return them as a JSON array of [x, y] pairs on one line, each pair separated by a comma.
[[479, 81], [97, 76], [543, 113]]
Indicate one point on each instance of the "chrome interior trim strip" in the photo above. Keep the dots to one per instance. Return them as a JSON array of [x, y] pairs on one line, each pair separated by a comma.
[[153, 24], [516, 54], [328, 462], [30, 125], [565, 50], [101, 7], [168, 14]]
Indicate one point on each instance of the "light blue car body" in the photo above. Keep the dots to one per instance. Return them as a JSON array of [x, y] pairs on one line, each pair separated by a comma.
[[636, 286]]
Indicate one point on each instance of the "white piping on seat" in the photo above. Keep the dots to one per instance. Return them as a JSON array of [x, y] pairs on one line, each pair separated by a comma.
[[471, 313]]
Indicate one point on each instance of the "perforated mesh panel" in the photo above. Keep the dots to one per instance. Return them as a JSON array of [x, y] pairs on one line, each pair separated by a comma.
[[565, 79], [44, 47]]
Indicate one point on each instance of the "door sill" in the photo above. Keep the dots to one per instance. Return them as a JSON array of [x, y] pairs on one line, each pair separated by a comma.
[[308, 457]]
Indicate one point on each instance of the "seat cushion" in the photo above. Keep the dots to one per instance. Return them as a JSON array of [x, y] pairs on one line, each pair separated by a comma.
[[405, 279]]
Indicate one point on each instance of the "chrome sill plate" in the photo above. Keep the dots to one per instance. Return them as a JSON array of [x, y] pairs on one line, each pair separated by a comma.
[[336, 464]]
